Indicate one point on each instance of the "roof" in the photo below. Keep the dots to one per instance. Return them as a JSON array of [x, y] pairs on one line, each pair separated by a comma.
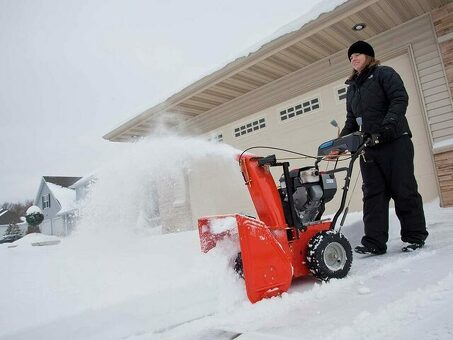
[[66, 197], [61, 181], [315, 36], [7, 217]]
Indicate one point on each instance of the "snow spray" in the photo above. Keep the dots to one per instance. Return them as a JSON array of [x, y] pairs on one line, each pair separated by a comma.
[[148, 176]]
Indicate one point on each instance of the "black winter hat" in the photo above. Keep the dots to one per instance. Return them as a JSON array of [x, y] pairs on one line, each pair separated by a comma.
[[360, 47]]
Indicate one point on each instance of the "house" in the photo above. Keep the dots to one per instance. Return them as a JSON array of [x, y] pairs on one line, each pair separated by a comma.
[[286, 92], [57, 201]]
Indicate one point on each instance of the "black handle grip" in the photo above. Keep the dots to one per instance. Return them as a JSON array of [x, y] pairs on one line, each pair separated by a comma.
[[268, 160]]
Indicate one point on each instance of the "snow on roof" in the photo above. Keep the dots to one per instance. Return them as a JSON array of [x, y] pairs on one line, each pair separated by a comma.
[[321, 7], [65, 196], [3, 211]]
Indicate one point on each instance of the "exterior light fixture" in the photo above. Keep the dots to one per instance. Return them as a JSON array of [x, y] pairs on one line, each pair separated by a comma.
[[358, 27]]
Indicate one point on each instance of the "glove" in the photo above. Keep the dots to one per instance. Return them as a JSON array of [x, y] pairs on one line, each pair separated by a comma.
[[387, 133]]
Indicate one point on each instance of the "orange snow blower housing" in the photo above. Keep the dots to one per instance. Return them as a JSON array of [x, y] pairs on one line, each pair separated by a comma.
[[290, 239]]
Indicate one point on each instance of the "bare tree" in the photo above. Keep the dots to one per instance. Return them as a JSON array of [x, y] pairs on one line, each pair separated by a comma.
[[19, 208]]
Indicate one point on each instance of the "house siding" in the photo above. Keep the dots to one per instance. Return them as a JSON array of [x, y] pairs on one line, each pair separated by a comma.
[[441, 118]]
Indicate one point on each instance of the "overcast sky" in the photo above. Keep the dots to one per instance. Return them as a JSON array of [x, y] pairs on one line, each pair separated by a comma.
[[71, 71]]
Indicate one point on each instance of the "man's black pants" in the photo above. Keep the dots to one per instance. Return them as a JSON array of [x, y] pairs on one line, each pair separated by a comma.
[[388, 172]]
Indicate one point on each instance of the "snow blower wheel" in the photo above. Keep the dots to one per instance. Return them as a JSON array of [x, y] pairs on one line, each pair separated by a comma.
[[329, 256]]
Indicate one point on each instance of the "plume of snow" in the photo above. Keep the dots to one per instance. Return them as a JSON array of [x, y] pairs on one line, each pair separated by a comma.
[[123, 192]]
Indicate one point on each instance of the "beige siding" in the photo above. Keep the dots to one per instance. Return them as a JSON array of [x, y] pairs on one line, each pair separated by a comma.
[[434, 85], [441, 118], [441, 77]]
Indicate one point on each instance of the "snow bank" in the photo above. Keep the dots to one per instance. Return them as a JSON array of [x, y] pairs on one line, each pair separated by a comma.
[[33, 239]]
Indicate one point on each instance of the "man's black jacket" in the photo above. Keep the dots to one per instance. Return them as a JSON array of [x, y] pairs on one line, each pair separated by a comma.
[[379, 97]]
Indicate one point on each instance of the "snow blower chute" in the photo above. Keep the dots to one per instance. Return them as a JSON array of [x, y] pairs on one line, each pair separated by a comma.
[[289, 239]]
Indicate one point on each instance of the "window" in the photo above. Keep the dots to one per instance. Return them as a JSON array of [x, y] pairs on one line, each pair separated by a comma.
[[250, 127], [45, 201], [217, 138], [299, 109], [341, 93]]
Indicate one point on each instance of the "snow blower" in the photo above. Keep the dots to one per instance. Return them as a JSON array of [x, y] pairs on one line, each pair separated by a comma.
[[290, 239]]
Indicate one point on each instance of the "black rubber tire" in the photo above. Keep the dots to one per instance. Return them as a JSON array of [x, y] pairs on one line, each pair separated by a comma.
[[329, 255]]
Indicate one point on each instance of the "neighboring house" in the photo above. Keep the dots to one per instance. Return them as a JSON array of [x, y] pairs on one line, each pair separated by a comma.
[[8, 217], [285, 93], [57, 202]]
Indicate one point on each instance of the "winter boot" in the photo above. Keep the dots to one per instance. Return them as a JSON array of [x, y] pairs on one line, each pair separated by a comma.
[[368, 250], [412, 246]]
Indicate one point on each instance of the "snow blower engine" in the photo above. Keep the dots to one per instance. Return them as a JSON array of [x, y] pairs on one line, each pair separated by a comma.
[[290, 239]]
